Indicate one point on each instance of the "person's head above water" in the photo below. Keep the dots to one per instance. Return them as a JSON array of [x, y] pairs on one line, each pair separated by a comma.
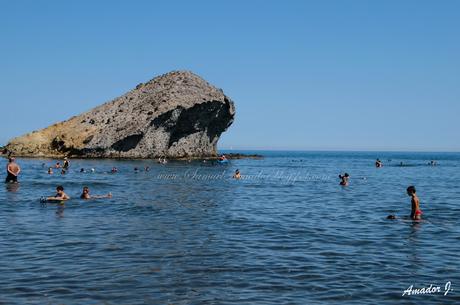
[[346, 175], [85, 193], [411, 190], [11, 159], [59, 189]]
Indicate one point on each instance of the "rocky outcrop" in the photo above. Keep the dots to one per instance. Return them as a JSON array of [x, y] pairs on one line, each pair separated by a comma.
[[176, 115]]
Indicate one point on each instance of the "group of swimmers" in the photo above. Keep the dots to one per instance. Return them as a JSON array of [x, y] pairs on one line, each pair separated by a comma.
[[62, 196], [13, 170], [379, 163], [64, 167], [416, 212], [222, 158]]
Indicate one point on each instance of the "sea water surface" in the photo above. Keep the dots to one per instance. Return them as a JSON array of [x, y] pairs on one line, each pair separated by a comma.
[[186, 233]]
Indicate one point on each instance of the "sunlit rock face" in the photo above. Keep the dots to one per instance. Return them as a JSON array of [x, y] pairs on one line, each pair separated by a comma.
[[175, 115]]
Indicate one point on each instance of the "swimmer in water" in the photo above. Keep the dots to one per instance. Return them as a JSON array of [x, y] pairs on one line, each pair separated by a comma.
[[66, 163], [222, 158], [85, 194], [58, 165], [147, 168], [415, 213], [60, 195], [378, 163], [345, 178], [12, 171], [114, 170], [50, 171], [237, 174]]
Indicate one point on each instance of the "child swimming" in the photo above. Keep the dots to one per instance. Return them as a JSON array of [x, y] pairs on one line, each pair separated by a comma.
[[416, 213], [85, 194], [60, 195]]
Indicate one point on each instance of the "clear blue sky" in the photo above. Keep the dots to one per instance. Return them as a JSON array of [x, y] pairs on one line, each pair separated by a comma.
[[352, 75]]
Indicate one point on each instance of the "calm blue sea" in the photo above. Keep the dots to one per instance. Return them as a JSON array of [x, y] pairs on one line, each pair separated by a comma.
[[186, 233]]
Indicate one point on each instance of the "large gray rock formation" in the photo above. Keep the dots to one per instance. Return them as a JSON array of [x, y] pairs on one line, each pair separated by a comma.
[[176, 115]]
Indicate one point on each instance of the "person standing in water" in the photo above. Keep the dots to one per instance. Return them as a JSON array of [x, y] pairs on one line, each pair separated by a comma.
[[12, 171], [415, 213], [66, 164]]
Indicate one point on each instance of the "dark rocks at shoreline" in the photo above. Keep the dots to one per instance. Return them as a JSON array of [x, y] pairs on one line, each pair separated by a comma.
[[243, 156]]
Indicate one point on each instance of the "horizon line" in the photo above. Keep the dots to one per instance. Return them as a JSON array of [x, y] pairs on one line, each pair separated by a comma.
[[337, 150]]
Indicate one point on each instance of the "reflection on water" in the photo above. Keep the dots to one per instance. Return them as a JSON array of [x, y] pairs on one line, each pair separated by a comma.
[[60, 210], [12, 187], [187, 233]]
